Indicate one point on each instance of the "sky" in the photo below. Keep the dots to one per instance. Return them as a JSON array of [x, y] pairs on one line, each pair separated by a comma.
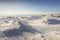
[[28, 7]]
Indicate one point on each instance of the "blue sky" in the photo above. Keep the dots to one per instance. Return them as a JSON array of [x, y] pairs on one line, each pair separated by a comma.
[[20, 7]]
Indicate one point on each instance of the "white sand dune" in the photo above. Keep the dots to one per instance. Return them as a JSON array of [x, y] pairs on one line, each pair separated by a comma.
[[43, 27]]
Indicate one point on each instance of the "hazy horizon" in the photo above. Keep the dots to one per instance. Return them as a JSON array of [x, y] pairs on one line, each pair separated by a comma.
[[13, 8]]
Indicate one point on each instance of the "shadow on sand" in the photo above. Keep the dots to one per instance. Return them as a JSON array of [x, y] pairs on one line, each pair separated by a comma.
[[53, 21], [18, 32]]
